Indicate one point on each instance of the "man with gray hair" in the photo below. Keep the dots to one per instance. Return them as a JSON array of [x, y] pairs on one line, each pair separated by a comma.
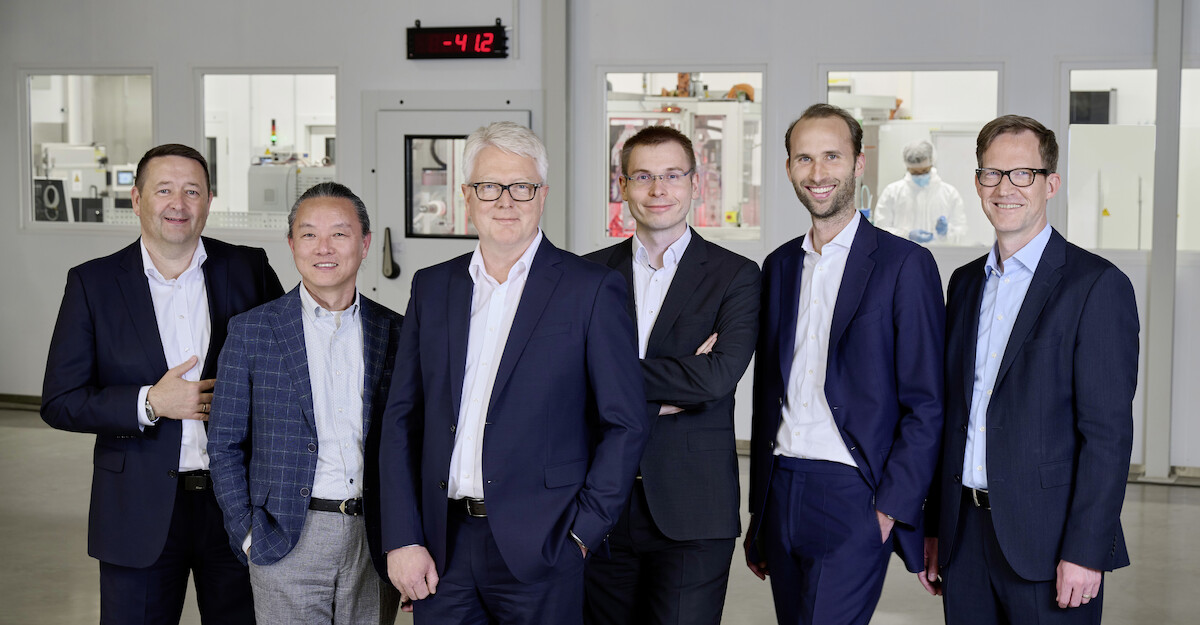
[[517, 414], [294, 435], [921, 206]]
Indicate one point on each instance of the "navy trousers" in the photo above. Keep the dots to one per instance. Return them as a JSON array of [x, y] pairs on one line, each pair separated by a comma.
[[980, 588], [197, 545], [822, 544], [649, 578], [478, 589]]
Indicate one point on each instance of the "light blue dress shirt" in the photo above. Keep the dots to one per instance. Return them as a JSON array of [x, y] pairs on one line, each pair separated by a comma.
[[1004, 290]]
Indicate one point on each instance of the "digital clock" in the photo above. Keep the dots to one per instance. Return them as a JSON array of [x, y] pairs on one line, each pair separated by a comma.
[[458, 42]]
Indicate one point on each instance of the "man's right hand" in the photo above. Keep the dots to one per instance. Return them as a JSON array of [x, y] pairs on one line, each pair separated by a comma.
[[929, 577], [176, 398], [413, 572], [758, 568]]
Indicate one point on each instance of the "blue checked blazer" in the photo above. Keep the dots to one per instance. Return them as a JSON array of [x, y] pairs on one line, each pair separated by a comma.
[[262, 436]]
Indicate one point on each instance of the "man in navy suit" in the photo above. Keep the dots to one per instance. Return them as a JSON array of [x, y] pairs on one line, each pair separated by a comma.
[[847, 392], [294, 442], [696, 309], [132, 361], [517, 414], [1041, 367]]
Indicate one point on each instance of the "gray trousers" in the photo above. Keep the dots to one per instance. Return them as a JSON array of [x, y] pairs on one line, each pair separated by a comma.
[[326, 578]]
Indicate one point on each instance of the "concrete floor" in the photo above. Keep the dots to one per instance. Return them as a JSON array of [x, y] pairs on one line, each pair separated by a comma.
[[47, 576]]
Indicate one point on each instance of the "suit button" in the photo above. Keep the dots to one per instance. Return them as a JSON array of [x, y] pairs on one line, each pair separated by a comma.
[[312, 446], [442, 485], [304, 492], [452, 428], [963, 428], [171, 473], [957, 478]]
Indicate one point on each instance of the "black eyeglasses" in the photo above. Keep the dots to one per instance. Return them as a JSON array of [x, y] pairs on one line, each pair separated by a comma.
[[518, 191], [1022, 177]]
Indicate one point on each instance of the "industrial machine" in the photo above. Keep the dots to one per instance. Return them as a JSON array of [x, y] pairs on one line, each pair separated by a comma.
[[274, 187]]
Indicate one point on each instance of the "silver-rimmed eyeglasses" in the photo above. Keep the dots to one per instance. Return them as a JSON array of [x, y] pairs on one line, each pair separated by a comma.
[[673, 178], [1022, 177], [518, 191]]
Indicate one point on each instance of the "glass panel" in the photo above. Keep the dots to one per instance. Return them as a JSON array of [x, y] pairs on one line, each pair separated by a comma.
[[435, 204], [1110, 186], [1185, 427], [944, 109], [1189, 163], [87, 134], [721, 113], [269, 138]]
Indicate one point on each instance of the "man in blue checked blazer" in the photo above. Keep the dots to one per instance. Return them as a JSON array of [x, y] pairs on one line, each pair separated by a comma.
[[294, 434]]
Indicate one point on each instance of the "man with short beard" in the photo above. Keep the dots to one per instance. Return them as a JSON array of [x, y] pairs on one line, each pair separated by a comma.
[[847, 411]]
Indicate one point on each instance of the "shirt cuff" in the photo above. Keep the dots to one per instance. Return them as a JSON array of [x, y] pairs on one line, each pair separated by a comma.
[[143, 421], [246, 545], [576, 539]]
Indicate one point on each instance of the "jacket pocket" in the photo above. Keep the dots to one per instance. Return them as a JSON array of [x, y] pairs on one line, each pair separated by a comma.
[[1055, 474], [551, 330], [109, 458], [566, 473]]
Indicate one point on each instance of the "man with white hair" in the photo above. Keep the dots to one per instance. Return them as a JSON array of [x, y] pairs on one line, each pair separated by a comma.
[[921, 206], [530, 348]]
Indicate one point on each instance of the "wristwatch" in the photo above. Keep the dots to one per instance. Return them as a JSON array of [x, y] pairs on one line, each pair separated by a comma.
[[150, 416]]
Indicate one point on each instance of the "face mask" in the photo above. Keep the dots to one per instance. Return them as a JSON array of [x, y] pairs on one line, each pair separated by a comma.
[[922, 180]]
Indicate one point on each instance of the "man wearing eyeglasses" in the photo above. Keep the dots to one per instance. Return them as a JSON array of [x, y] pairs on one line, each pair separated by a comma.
[[696, 309], [516, 417], [847, 392], [1041, 366]]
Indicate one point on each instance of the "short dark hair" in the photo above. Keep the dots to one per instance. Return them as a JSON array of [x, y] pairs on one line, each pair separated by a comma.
[[333, 190], [821, 111], [171, 149], [1016, 124], [657, 135]]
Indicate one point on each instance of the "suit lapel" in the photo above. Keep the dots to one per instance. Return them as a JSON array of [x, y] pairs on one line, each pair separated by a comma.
[[970, 324], [688, 276], [375, 336], [216, 283], [136, 293], [288, 326], [458, 311], [622, 261], [859, 266], [788, 296], [539, 287], [1045, 278]]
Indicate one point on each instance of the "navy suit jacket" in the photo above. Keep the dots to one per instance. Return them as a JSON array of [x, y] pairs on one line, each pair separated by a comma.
[[883, 378], [566, 424], [689, 469], [1060, 420], [262, 438], [104, 349]]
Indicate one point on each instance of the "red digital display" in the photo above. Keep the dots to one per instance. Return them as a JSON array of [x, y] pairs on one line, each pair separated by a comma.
[[464, 42]]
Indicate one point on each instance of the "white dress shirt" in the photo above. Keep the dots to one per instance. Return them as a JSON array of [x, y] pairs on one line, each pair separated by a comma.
[[650, 285], [493, 306], [333, 341], [184, 325], [1004, 291], [807, 429]]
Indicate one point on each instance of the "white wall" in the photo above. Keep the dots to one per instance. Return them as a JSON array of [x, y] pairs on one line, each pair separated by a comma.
[[364, 45]]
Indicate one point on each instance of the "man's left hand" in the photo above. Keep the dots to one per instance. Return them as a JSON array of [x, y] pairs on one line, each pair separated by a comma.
[[1077, 585], [885, 526]]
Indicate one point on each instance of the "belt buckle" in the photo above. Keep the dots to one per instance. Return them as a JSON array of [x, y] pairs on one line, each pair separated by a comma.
[[471, 510], [350, 507], [975, 497], [342, 507]]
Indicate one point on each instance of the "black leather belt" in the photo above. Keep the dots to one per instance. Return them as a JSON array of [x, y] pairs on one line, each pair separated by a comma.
[[348, 507], [195, 481], [978, 498], [469, 506]]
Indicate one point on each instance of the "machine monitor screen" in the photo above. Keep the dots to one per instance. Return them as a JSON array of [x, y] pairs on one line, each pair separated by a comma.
[[123, 178], [461, 42]]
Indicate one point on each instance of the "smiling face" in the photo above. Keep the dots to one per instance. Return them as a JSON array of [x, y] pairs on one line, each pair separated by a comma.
[[328, 247], [506, 227], [1017, 213], [172, 205], [823, 166], [660, 208]]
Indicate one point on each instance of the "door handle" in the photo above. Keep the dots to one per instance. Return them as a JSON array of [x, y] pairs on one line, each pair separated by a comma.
[[391, 269]]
